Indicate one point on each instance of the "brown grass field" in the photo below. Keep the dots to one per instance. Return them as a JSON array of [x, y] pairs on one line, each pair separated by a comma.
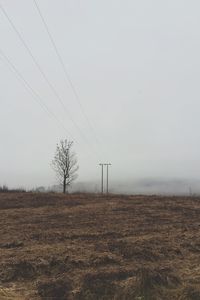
[[92, 247]]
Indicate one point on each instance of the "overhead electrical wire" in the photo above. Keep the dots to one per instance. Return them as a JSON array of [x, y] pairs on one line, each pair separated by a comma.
[[28, 86], [66, 72], [37, 97], [42, 72]]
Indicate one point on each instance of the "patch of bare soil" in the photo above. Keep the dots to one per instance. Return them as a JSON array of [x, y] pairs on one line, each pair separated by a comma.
[[93, 247]]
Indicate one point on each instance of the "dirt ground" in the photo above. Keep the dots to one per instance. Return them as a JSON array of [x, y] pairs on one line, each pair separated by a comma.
[[92, 247]]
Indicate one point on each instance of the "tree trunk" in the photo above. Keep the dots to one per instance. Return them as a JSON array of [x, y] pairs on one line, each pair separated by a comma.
[[64, 185]]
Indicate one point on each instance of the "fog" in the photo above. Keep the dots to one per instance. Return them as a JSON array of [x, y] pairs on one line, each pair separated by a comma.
[[135, 67]]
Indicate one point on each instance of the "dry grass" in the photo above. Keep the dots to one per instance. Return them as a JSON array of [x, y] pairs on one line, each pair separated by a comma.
[[90, 247]]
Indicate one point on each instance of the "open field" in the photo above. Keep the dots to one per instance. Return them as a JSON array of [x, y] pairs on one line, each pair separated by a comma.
[[89, 247]]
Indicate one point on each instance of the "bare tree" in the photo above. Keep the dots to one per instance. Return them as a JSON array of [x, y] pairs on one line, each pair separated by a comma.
[[65, 164]]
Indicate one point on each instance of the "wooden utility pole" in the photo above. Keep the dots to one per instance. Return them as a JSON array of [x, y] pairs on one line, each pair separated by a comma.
[[102, 179]]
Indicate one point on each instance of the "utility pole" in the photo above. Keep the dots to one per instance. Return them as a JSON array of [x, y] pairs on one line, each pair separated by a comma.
[[101, 177], [107, 165], [102, 165]]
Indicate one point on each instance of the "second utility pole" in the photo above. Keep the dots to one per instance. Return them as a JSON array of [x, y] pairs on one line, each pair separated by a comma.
[[107, 174]]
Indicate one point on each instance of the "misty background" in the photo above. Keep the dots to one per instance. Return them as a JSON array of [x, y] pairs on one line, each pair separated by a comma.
[[135, 66]]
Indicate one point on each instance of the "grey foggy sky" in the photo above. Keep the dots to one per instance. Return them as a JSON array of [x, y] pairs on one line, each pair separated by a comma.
[[136, 69]]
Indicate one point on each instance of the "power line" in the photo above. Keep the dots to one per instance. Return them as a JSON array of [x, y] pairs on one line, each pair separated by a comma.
[[41, 71], [28, 86], [37, 97], [67, 76]]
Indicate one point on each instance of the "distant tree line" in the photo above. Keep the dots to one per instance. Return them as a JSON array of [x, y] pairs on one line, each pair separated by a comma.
[[5, 189]]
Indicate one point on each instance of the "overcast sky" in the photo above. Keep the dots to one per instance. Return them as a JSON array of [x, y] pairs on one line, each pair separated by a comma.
[[135, 66]]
